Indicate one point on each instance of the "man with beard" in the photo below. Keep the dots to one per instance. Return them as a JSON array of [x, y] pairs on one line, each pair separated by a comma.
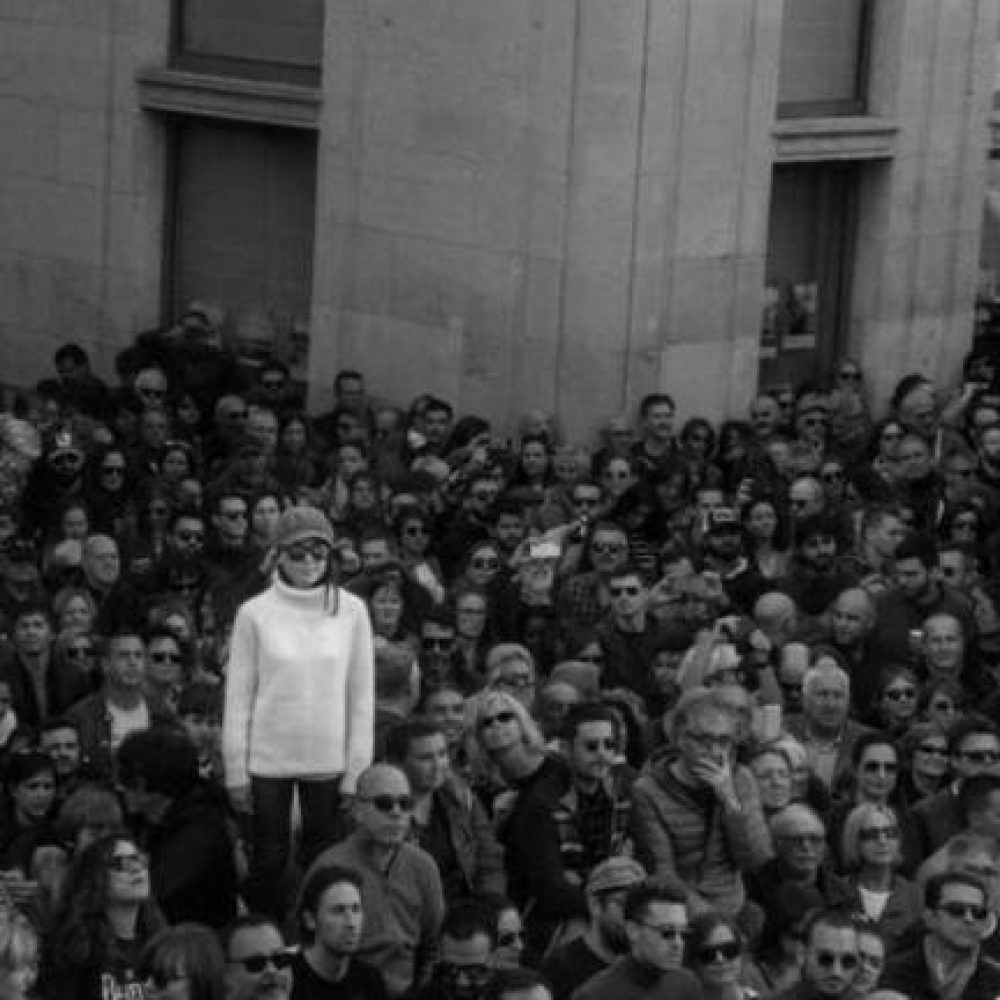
[[814, 579], [948, 962], [722, 547], [257, 961], [882, 532], [572, 964], [830, 965], [465, 964], [331, 918]]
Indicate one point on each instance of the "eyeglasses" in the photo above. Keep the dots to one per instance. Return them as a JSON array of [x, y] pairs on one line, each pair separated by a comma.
[[847, 375], [828, 959], [964, 911], [873, 833], [624, 591], [933, 750], [900, 694], [165, 657], [299, 553], [256, 964], [668, 932], [802, 839], [503, 718], [592, 746], [981, 756], [386, 803], [725, 952], [889, 766], [128, 863], [437, 642]]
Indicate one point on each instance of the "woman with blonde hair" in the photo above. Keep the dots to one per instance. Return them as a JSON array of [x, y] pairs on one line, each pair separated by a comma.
[[870, 848]]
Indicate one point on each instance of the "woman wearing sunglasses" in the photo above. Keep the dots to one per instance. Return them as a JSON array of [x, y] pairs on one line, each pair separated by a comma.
[[299, 709], [108, 916], [714, 953]]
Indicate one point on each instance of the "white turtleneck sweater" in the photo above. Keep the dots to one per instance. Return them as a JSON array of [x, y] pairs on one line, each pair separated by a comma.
[[300, 688]]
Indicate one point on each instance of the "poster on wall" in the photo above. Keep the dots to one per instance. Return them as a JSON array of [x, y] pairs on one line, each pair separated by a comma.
[[798, 315]]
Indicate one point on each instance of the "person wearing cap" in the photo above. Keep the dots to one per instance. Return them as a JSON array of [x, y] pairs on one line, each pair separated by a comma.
[[570, 965], [725, 561], [300, 699]]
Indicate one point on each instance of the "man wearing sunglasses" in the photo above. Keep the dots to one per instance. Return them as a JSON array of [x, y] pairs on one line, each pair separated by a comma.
[[258, 964], [949, 961], [830, 964], [400, 885], [656, 924]]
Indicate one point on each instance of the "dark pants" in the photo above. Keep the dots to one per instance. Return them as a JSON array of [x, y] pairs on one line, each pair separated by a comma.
[[269, 887]]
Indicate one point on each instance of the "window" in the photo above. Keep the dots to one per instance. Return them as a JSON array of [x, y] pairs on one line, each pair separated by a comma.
[[256, 39], [242, 225], [810, 240], [824, 58]]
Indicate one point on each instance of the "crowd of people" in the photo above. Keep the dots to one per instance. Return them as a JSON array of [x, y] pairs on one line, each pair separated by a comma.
[[382, 703]]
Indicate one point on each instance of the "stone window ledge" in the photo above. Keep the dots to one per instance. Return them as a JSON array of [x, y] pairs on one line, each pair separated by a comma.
[[808, 140], [230, 98]]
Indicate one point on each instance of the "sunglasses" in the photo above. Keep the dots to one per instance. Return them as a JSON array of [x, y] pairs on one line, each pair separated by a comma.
[[889, 766], [299, 553], [962, 911], [233, 515], [828, 959], [503, 718], [933, 750], [900, 694], [874, 833], [485, 563], [255, 964], [509, 939], [165, 657], [79, 652], [624, 591], [725, 952], [128, 863], [386, 803], [981, 756], [415, 529], [437, 642], [190, 536], [848, 376], [592, 746], [113, 470]]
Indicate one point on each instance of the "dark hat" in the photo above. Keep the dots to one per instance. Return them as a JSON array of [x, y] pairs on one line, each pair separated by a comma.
[[297, 524], [722, 519]]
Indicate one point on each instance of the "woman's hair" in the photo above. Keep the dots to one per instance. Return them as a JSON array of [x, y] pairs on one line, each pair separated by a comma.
[[857, 819], [700, 424], [703, 926], [947, 686], [782, 527], [183, 648], [491, 701], [24, 765], [188, 950], [66, 594], [916, 734], [90, 805], [82, 933]]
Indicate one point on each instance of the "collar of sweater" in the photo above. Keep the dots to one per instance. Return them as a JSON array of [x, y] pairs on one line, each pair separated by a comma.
[[309, 599]]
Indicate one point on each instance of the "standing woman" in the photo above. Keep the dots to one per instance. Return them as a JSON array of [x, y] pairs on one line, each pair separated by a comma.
[[299, 707]]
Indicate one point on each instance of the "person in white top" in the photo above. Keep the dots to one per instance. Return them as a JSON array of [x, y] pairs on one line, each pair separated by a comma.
[[299, 705]]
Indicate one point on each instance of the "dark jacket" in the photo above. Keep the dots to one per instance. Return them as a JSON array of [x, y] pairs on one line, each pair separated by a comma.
[[473, 843], [907, 973], [938, 818], [192, 861]]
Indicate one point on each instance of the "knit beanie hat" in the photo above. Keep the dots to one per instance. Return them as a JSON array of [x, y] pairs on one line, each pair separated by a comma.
[[300, 523]]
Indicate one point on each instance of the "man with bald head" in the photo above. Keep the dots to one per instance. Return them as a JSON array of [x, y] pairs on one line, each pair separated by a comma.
[[401, 887], [851, 620], [777, 617]]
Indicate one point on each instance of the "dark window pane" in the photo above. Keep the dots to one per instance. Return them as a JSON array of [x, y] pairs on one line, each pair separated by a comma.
[[823, 58], [279, 39]]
